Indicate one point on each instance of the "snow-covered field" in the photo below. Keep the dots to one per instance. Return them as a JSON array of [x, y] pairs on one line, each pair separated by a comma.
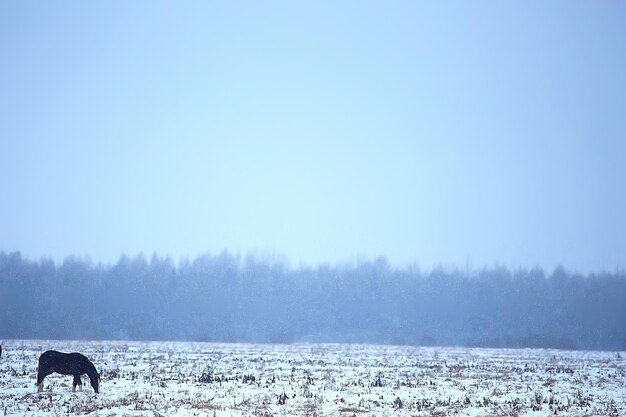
[[210, 379]]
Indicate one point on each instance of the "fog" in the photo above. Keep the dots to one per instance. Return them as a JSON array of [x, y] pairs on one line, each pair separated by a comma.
[[422, 131], [252, 298]]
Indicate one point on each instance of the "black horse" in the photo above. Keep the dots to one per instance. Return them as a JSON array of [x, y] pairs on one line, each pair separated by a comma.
[[67, 364]]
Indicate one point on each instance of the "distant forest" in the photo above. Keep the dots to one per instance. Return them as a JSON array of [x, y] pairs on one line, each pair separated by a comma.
[[235, 298]]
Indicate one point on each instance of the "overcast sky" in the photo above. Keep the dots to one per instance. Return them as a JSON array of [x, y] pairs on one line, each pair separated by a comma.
[[452, 133]]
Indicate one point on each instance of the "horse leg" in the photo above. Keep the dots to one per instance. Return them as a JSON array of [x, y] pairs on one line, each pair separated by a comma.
[[77, 381], [40, 377]]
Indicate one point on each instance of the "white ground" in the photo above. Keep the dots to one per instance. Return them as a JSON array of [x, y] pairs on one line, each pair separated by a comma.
[[172, 379]]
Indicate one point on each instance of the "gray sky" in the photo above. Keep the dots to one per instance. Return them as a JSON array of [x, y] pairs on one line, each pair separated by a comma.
[[449, 133]]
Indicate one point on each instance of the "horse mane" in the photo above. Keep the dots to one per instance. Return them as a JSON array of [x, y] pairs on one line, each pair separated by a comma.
[[91, 369]]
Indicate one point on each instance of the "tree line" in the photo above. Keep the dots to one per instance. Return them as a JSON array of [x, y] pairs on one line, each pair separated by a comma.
[[233, 298]]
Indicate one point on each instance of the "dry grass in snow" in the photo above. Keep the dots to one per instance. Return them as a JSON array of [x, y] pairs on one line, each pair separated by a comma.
[[209, 379]]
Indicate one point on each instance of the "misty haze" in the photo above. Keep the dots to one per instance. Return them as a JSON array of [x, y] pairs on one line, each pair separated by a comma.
[[233, 298]]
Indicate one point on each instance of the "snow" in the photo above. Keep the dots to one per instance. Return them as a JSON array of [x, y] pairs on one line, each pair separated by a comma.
[[186, 379]]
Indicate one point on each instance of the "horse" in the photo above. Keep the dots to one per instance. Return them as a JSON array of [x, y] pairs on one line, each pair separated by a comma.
[[67, 364]]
